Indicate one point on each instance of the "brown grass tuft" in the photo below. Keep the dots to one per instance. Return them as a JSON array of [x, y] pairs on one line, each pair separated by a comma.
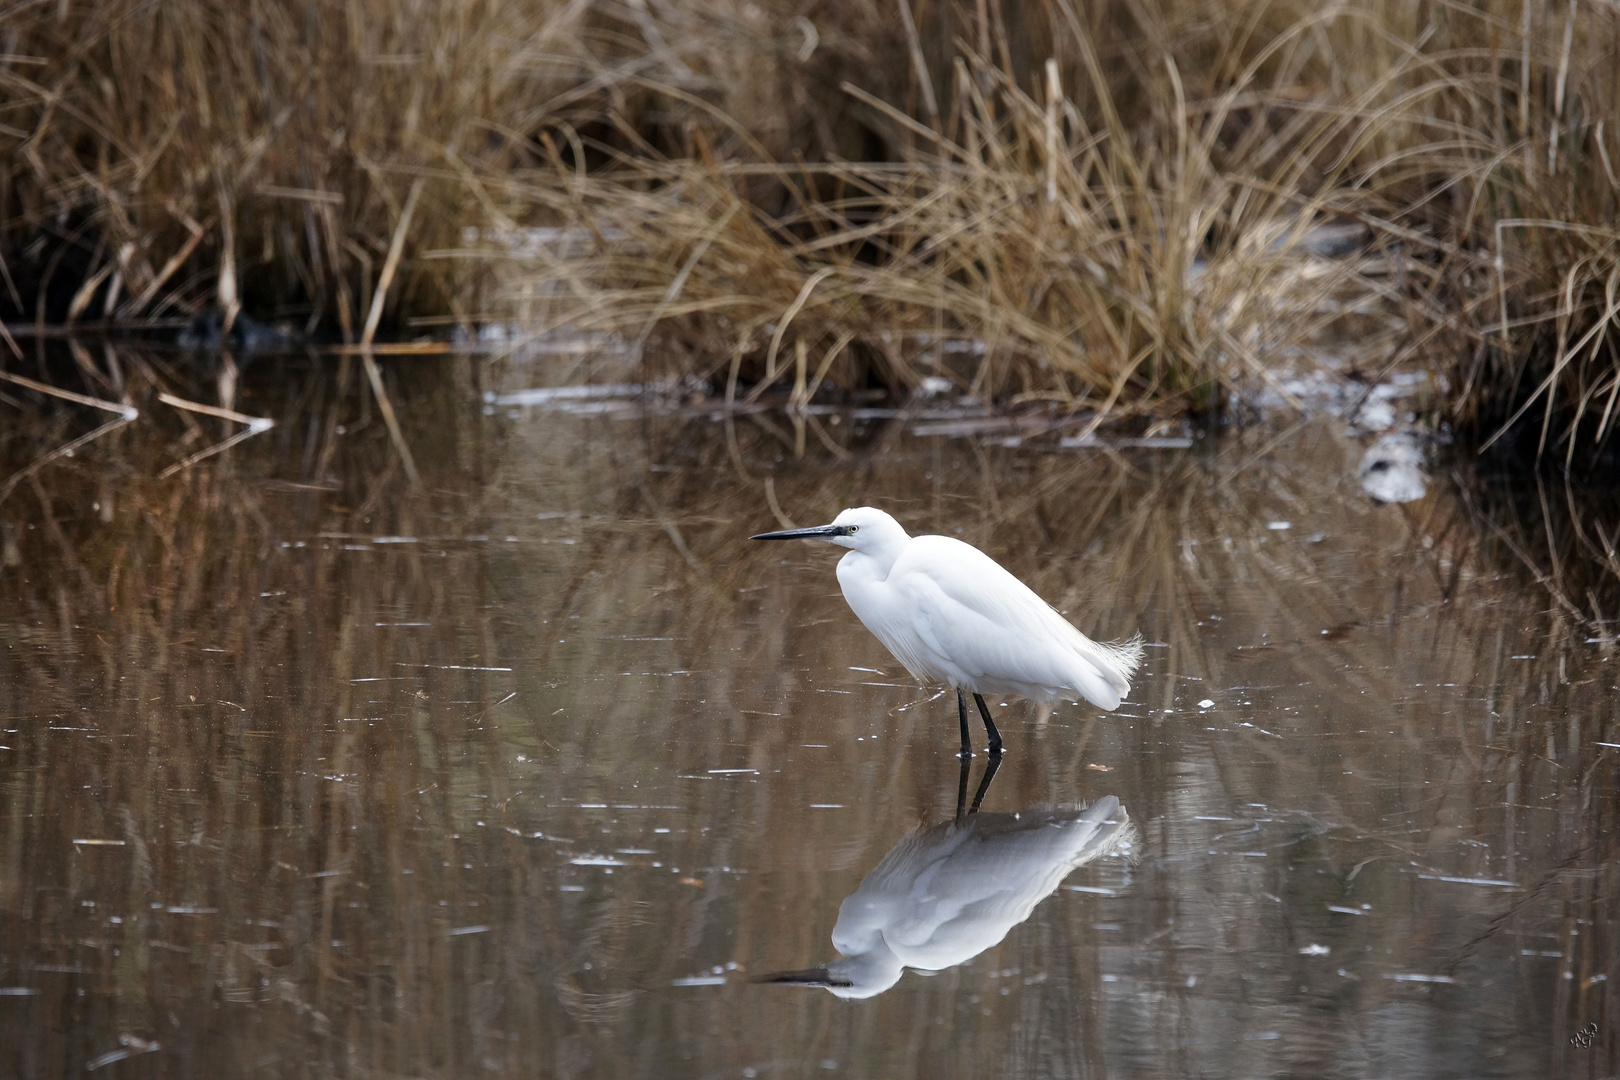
[[1116, 206]]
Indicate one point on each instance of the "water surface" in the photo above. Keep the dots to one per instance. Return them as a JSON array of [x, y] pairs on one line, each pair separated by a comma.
[[531, 769]]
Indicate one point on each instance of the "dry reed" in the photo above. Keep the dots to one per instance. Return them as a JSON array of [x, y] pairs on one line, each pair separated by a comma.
[[1111, 207]]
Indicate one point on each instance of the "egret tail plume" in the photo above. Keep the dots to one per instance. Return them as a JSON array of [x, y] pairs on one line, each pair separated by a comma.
[[1124, 655]]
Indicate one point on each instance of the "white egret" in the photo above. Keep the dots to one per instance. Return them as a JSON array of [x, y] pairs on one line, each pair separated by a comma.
[[947, 893], [951, 614]]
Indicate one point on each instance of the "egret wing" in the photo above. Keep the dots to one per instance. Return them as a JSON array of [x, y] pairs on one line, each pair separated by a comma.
[[971, 647], [983, 618]]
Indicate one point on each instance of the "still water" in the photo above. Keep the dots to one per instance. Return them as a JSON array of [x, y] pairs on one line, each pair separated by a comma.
[[538, 768]]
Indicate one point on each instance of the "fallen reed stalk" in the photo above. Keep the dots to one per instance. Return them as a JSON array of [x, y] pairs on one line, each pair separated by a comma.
[[126, 414], [256, 425]]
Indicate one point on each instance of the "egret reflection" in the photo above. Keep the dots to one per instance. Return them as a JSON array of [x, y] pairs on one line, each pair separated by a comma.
[[948, 892]]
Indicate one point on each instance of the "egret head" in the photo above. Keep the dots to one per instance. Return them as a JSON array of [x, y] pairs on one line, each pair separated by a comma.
[[864, 528]]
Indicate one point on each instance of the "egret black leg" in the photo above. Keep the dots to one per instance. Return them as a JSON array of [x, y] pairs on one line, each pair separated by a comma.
[[961, 714], [989, 725]]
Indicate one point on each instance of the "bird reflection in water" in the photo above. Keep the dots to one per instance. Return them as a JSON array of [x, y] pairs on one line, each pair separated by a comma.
[[948, 892]]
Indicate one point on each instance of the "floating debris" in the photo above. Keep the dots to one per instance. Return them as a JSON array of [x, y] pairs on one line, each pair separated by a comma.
[[1471, 880], [1394, 469], [560, 396]]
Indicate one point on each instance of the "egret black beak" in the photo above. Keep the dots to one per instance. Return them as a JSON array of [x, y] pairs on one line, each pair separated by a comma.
[[820, 532], [812, 977]]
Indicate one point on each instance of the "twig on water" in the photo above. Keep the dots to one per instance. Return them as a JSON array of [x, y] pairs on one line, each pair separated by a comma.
[[256, 425], [5, 333], [387, 408], [384, 280], [126, 414]]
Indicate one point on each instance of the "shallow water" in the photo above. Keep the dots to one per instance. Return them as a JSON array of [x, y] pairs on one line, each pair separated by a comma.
[[531, 770]]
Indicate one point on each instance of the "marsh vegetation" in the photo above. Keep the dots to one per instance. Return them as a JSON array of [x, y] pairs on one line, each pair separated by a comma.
[[1129, 208]]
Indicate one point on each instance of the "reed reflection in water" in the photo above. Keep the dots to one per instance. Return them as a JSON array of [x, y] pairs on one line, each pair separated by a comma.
[[309, 772]]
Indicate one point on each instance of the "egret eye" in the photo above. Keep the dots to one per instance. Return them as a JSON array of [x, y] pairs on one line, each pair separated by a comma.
[[853, 529]]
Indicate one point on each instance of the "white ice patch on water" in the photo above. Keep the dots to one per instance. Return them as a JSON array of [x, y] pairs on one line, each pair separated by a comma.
[[1394, 469]]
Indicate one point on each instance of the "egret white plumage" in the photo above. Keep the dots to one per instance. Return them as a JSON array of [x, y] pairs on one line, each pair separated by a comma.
[[951, 614], [947, 893]]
